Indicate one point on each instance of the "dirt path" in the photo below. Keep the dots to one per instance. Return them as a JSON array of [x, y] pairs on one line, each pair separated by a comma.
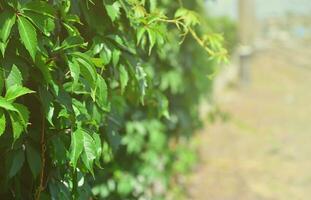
[[264, 151]]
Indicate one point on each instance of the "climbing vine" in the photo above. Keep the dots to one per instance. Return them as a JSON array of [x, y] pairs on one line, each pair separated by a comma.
[[97, 96]]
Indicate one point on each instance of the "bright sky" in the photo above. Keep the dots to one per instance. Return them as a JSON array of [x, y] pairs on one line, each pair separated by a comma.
[[264, 8]]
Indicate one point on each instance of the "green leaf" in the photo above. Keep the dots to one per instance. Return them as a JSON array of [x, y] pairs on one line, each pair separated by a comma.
[[17, 161], [98, 147], [152, 39], [76, 146], [17, 125], [14, 77], [2, 80], [124, 78], [106, 54], [2, 47], [45, 24], [71, 42], [89, 154], [16, 91], [23, 113], [44, 69], [87, 69], [39, 7], [113, 11], [28, 35], [115, 57], [33, 159], [2, 122], [7, 20], [142, 82], [7, 105], [87, 163], [140, 34], [47, 104], [74, 71], [89, 146], [101, 92]]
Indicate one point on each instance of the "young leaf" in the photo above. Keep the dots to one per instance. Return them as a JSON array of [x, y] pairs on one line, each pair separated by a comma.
[[76, 146], [28, 35], [16, 91], [152, 39], [2, 122], [113, 11], [140, 34]]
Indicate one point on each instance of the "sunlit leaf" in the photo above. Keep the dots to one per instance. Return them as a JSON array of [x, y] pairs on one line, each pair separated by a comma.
[[28, 35]]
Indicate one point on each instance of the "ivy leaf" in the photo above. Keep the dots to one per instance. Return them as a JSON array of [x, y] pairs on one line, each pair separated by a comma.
[[74, 71], [98, 147], [39, 7], [34, 160], [87, 163], [47, 104], [152, 39], [124, 78], [115, 57], [90, 153], [106, 54], [2, 122], [44, 24], [89, 146], [16, 91], [14, 77], [17, 125], [71, 42], [113, 11], [18, 158], [87, 69], [44, 68], [7, 20], [28, 35], [7, 105], [190, 17], [101, 92], [142, 82], [23, 113], [76, 146], [140, 34]]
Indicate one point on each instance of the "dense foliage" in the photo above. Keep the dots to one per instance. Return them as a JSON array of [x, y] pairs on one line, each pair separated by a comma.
[[97, 96]]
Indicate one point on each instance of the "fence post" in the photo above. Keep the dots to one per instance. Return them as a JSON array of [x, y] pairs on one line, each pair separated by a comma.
[[246, 37]]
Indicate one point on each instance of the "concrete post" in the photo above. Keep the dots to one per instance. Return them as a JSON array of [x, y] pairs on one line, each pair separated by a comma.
[[247, 30]]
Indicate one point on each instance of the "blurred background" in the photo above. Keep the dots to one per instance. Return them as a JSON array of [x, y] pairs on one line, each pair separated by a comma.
[[260, 145]]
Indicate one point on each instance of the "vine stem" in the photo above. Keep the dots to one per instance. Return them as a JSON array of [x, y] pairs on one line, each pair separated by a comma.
[[43, 149]]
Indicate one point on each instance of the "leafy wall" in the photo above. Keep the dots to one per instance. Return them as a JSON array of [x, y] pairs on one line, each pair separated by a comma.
[[97, 96]]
